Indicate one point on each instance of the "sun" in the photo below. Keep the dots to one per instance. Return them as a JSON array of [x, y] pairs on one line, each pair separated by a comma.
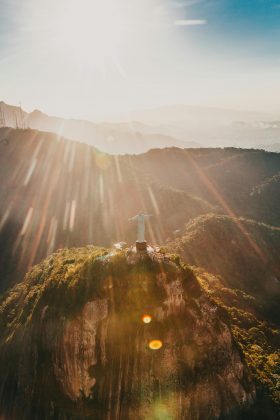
[[89, 33], [91, 28]]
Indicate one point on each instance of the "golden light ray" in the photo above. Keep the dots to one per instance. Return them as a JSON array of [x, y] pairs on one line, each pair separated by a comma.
[[211, 187]]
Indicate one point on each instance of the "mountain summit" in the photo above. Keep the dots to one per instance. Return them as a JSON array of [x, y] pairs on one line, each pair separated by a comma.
[[118, 334]]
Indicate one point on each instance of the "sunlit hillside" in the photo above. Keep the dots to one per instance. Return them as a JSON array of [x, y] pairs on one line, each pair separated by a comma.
[[243, 252], [60, 193], [89, 321], [233, 179]]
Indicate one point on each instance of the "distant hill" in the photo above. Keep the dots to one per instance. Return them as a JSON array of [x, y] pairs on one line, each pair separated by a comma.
[[168, 126], [191, 114], [111, 138], [225, 177], [60, 193], [265, 199], [275, 147], [211, 127]]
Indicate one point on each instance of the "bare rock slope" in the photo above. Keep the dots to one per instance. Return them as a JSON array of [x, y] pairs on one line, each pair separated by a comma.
[[74, 344]]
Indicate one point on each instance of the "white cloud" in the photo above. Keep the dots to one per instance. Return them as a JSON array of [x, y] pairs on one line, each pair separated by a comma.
[[181, 5], [190, 22]]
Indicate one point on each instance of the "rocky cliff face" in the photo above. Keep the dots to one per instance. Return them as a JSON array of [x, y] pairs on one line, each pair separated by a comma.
[[74, 343]]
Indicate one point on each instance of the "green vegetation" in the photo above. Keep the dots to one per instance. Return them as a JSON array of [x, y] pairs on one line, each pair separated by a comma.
[[59, 287], [224, 177], [35, 313], [265, 199], [245, 253], [68, 279], [259, 341]]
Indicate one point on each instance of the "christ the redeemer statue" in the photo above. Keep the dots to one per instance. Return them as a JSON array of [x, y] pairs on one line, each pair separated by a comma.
[[141, 244]]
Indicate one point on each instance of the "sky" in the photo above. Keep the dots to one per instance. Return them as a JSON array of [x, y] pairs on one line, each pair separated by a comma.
[[95, 59]]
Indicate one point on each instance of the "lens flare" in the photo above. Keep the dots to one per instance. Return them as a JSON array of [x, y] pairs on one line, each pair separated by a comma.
[[146, 319], [155, 344]]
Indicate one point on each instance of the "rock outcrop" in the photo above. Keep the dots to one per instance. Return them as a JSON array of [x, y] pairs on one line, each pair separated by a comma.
[[74, 344]]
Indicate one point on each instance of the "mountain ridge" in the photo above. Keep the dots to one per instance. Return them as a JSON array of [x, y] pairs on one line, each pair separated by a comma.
[[181, 126], [215, 324], [243, 252], [107, 137]]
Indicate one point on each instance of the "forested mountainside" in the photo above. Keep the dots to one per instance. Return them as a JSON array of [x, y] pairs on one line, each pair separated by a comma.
[[58, 193], [73, 343], [243, 252], [225, 177]]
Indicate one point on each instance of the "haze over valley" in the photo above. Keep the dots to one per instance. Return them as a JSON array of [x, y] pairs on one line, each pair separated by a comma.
[[179, 126]]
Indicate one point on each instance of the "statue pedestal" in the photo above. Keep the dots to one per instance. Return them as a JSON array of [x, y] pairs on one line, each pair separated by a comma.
[[141, 246]]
